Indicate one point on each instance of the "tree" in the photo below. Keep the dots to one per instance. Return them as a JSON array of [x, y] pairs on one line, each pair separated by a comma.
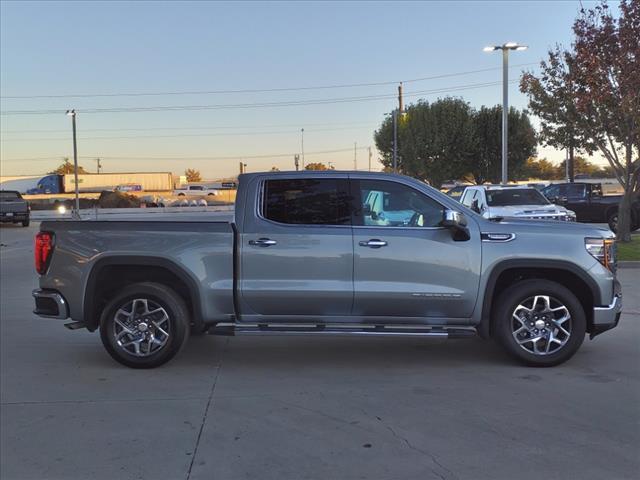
[[66, 167], [582, 166], [486, 164], [600, 76], [541, 169], [317, 166], [551, 98], [275, 169], [193, 175], [435, 140]]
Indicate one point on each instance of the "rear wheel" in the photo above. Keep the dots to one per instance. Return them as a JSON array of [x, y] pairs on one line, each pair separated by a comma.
[[25, 222], [145, 325], [539, 322]]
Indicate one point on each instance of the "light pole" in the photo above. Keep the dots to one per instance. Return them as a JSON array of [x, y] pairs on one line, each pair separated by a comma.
[[505, 98], [76, 210], [302, 145]]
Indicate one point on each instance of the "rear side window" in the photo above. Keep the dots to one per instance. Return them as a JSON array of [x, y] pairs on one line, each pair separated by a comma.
[[307, 201]]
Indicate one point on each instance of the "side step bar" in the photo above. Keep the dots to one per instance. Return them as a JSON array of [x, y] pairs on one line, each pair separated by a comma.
[[339, 330]]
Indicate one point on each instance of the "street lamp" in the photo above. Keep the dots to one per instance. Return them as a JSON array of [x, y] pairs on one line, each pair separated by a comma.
[[505, 97], [76, 211]]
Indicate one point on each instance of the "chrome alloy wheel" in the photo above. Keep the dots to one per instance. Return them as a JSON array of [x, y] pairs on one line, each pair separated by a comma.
[[541, 325], [141, 327]]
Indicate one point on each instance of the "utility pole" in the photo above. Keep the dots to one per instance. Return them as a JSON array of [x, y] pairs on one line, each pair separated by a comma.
[[395, 141], [369, 158], [76, 211], [98, 165], [355, 155], [396, 112], [243, 168], [302, 144]]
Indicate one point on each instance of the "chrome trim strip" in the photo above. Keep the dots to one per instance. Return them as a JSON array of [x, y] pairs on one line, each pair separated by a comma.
[[63, 309], [498, 237], [607, 315]]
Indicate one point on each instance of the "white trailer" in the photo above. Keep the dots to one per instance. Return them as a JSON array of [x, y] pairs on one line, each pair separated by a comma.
[[94, 182]]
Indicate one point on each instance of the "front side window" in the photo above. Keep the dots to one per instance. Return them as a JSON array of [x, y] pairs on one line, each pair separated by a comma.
[[578, 191], [391, 204], [307, 201], [469, 197]]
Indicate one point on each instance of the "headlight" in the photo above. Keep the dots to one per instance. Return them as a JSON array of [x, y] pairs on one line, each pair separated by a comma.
[[603, 250], [571, 215]]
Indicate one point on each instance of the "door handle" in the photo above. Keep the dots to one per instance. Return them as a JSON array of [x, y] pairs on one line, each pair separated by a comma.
[[373, 243], [262, 242]]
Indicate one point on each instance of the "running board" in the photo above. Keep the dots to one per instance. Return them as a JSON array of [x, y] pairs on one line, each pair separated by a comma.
[[339, 330]]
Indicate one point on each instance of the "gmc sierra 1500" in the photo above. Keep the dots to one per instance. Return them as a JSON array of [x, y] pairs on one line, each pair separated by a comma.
[[330, 253]]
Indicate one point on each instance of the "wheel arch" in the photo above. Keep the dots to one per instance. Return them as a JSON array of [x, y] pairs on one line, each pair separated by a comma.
[[568, 274], [101, 282]]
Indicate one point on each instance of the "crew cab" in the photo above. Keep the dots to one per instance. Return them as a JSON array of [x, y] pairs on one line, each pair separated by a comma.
[[590, 205], [505, 201], [329, 253], [14, 208]]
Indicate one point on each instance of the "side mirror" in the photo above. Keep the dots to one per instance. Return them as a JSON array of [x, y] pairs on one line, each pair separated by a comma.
[[366, 210], [457, 223]]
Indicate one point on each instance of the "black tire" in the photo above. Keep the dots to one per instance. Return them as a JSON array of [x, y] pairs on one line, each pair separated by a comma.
[[25, 223], [504, 323], [178, 324]]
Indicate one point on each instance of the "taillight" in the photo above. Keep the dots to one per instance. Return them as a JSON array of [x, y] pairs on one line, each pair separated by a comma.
[[43, 247]]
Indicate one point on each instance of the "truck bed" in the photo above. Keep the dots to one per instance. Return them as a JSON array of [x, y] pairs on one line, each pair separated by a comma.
[[198, 249]]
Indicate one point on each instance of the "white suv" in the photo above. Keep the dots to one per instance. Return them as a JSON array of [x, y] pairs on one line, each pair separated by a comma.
[[505, 201]]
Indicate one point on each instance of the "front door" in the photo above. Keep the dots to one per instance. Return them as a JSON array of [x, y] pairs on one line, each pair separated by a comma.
[[297, 250], [405, 264]]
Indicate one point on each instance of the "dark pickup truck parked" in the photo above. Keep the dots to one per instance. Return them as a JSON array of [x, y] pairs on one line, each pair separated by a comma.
[[589, 204], [14, 208], [330, 253]]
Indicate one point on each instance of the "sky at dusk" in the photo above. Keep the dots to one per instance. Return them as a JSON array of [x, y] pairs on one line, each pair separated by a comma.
[[99, 51]]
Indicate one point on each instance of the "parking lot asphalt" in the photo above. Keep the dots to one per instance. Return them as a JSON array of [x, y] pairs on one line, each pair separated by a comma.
[[308, 408]]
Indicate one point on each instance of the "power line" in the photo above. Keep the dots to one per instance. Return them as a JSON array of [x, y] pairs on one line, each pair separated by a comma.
[[179, 157], [262, 90], [325, 101], [216, 127], [206, 135]]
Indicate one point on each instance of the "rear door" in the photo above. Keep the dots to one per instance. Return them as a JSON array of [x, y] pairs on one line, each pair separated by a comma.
[[296, 249], [405, 264]]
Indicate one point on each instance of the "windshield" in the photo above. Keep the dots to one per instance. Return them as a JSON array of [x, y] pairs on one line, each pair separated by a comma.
[[515, 196], [9, 195]]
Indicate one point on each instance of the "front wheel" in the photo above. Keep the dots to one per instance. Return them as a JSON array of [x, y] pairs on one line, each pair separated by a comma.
[[145, 325], [25, 222], [539, 322]]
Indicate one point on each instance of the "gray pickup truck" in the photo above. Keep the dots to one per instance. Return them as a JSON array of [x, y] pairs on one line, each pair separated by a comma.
[[14, 208], [330, 253]]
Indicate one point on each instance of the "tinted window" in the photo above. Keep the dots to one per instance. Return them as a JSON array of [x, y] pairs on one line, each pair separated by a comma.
[[574, 190], [552, 191], [9, 195], [515, 196], [307, 201], [391, 204]]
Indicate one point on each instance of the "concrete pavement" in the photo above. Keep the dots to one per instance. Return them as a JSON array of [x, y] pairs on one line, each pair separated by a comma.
[[317, 408]]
